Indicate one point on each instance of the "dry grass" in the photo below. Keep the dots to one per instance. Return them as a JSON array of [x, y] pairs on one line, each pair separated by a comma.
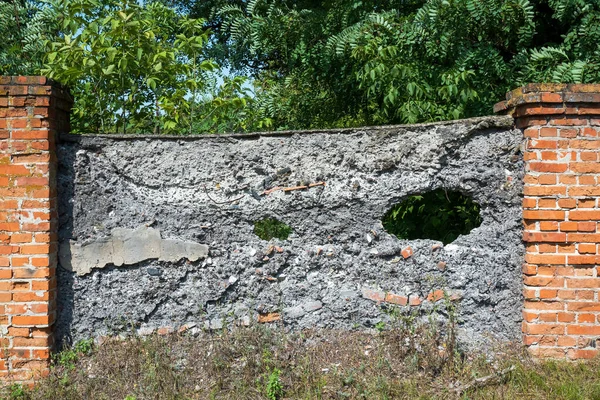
[[263, 363]]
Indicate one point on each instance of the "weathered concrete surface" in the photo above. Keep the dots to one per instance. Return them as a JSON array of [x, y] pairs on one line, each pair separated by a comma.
[[126, 247], [210, 190]]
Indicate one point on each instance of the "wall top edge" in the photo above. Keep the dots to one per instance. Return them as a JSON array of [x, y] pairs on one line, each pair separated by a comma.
[[550, 93], [478, 123], [28, 80]]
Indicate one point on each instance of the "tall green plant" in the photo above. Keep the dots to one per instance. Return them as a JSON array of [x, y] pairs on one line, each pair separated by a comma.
[[24, 26], [131, 67], [353, 62]]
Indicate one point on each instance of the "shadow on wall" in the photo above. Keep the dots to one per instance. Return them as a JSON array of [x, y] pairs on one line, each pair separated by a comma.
[[65, 279]]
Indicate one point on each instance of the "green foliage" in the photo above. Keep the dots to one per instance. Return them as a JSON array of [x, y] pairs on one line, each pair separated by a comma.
[[230, 108], [17, 392], [437, 215], [274, 387], [24, 26], [69, 357], [269, 228], [132, 68], [348, 62]]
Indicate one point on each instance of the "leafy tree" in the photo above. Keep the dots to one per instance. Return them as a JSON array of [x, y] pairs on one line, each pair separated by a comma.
[[24, 26], [353, 62], [131, 67]]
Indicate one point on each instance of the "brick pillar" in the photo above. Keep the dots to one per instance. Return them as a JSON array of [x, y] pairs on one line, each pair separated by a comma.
[[32, 111], [561, 125]]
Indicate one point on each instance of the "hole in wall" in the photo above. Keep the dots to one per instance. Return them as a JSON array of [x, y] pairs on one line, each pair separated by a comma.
[[438, 215], [269, 228]]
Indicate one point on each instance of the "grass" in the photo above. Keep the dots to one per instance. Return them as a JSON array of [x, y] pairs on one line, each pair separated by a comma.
[[263, 363]]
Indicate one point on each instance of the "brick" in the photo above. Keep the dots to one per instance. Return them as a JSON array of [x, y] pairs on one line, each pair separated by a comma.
[[552, 237], [544, 281], [584, 167], [414, 300], [35, 249], [568, 133], [583, 306], [545, 259], [436, 295], [20, 238], [580, 260], [569, 226], [547, 203], [577, 354], [29, 134], [583, 330], [565, 317], [545, 329], [584, 215], [584, 237], [546, 190], [586, 203], [31, 342], [32, 320], [529, 203], [584, 191], [375, 295], [584, 144], [407, 252], [547, 167], [548, 132], [396, 299], [542, 144], [586, 318], [16, 170], [268, 317], [583, 282], [531, 132], [544, 215], [543, 305]]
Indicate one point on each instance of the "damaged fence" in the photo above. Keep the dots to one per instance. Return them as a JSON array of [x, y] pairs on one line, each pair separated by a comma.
[[109, 234]]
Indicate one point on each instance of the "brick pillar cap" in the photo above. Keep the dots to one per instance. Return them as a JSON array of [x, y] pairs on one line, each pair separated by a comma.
[[549, 93]]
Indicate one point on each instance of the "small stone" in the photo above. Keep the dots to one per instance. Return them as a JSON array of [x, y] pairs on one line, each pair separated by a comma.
[[278, 249], [165, 330], [313, 306], [233, 279], [441, 265], [153, 271]]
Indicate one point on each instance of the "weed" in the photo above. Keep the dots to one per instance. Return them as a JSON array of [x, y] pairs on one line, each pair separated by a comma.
[[68, 357], [408, 360], [274, 386], [16, 392], [270, 228]]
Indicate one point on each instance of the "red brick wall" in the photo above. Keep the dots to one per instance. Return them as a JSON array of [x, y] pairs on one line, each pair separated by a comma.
[[32, 111], [561, 125]]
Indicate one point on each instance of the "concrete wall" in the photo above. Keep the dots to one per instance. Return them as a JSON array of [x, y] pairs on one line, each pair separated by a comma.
[[158, 232]]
